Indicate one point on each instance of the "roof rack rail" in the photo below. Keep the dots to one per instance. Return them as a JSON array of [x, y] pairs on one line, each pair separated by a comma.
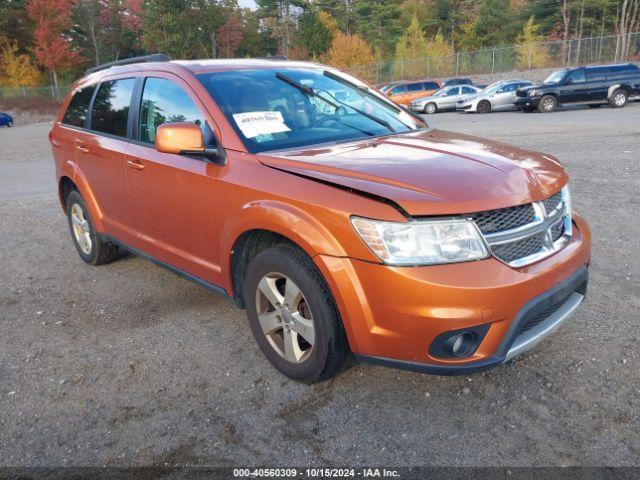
[[156, 57], [274, 57]]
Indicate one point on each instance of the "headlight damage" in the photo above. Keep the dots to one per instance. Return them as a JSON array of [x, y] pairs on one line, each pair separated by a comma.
[[423, 242]]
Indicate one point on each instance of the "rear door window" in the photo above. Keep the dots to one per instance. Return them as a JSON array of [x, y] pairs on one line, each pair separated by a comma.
[[399, 89], [596, 74], [430, 86], [76, 114], [466, 90], [414, 87], [163, 101], [111, 107]]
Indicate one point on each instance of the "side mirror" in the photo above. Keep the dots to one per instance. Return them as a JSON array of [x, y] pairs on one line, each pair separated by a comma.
[[185, 138]]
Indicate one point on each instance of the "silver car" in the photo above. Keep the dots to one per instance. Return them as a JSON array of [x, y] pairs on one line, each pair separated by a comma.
[[444, 99], [497, 96]]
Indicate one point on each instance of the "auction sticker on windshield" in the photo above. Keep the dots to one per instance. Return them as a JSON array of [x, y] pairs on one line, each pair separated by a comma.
[[253, 124]]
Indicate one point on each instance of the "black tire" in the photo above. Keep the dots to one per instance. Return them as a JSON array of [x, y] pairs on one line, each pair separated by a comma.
[[330, 349], [548, 104], [100, 252], [430, 106], [10, 124], [484, 106], [619, 98]]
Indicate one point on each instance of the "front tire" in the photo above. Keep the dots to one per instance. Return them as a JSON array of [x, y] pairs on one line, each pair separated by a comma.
[[484, 106], [293, 316], [618, 98], [90, 246], [548, 104], [430, 108]]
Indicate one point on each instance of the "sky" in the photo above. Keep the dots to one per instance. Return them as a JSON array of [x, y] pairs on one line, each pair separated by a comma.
[[247, 3]]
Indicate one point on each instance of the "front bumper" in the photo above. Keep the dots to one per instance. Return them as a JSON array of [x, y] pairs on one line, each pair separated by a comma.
[[418, 108], [392, 315], [531, 102]]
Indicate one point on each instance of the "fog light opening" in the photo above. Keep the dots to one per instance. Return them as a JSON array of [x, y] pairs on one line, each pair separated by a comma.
[[459, 345]]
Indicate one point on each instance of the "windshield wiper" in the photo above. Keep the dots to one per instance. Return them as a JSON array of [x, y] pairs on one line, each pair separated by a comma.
[[313, 93]]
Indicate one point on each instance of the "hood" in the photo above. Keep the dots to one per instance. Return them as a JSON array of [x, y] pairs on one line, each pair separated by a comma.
[[431, 172]]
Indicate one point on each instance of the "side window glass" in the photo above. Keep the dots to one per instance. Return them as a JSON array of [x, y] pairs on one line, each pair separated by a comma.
[[576, 76], [468, 90], [400, 89], [78, 109], [165, 102], [414, 87], [111, 107]]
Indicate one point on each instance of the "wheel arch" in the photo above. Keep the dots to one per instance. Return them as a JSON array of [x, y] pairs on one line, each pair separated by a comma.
[[263, 224], [615, 87], [72, 178]]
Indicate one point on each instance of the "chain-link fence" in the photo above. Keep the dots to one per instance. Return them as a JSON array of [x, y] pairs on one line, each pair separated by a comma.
[[559, 54], [47, 93]]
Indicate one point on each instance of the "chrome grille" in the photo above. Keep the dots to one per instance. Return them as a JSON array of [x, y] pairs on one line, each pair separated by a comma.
[[528, 233]]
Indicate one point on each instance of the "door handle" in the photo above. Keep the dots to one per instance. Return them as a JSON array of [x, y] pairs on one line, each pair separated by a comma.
[[80, 146], [136, 165]]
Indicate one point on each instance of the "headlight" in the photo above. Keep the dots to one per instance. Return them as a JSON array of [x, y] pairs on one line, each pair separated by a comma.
[[422, 242], [533, 93]]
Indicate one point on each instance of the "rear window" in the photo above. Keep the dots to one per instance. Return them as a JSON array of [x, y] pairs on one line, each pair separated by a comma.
[[78, 109], [620, 71], [111, 107]]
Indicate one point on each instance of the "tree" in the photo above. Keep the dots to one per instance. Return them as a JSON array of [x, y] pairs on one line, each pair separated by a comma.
[[531, 53], [16, 69], [229, 35], [314, 34], [52, 20], [377, 21], [181, 28], [349, 51], [411, 52], [441, 56]]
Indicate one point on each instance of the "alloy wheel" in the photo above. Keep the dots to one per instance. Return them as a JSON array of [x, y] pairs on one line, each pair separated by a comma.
[[285, 317], [81, 229], [620, 99], [430, 108], [548, 104]]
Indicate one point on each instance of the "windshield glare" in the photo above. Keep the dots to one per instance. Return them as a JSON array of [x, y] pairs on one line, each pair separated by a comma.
[[555, 77], [269, 113]]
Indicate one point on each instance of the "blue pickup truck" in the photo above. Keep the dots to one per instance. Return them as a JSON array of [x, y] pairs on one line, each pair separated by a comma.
[[594, 86]]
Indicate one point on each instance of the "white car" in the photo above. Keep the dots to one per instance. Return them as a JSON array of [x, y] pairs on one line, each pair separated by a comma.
[[497, 96], [444, 99]]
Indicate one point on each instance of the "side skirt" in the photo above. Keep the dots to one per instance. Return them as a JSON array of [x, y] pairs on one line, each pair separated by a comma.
[[215, 289]]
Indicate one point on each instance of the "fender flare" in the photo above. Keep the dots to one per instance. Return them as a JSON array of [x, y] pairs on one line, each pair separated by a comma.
[[284, 219], [71, 170]]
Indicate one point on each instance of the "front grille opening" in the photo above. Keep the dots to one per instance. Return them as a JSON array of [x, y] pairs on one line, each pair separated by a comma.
[[551, 203], [520, 249], [494, 221], [537, 318]]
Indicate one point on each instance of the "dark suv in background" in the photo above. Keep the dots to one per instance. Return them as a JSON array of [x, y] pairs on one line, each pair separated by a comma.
[[590, 85]]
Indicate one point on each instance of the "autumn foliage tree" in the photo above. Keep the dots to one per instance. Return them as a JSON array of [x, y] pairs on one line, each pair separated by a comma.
[[230, 35], [16, 69], [52, 20]]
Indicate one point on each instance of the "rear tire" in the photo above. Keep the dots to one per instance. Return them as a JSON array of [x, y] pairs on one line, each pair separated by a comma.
[[430, 108], [10, 124], [89, 244], [548, 104], [293, 316], [484, 106], [618, 98]]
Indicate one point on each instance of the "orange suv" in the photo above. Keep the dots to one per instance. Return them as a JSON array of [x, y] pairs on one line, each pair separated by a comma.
[[342, 223]]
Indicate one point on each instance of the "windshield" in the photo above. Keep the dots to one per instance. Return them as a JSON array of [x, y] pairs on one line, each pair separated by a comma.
[[556, 77], [284, 108]]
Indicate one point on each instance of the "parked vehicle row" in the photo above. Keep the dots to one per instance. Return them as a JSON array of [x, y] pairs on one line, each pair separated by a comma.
[[593, 86]]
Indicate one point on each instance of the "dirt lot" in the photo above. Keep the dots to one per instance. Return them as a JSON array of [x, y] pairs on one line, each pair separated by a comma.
[[128, 364]]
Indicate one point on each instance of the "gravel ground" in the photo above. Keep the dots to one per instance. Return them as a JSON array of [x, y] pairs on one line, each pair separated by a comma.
[[128, 364]]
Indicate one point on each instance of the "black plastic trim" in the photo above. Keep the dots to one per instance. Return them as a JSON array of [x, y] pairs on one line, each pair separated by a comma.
[[215, 289]]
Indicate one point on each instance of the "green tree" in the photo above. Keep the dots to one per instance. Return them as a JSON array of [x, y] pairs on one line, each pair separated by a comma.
[[378, 22], [411, 52], [313, 34], [531, 54]]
